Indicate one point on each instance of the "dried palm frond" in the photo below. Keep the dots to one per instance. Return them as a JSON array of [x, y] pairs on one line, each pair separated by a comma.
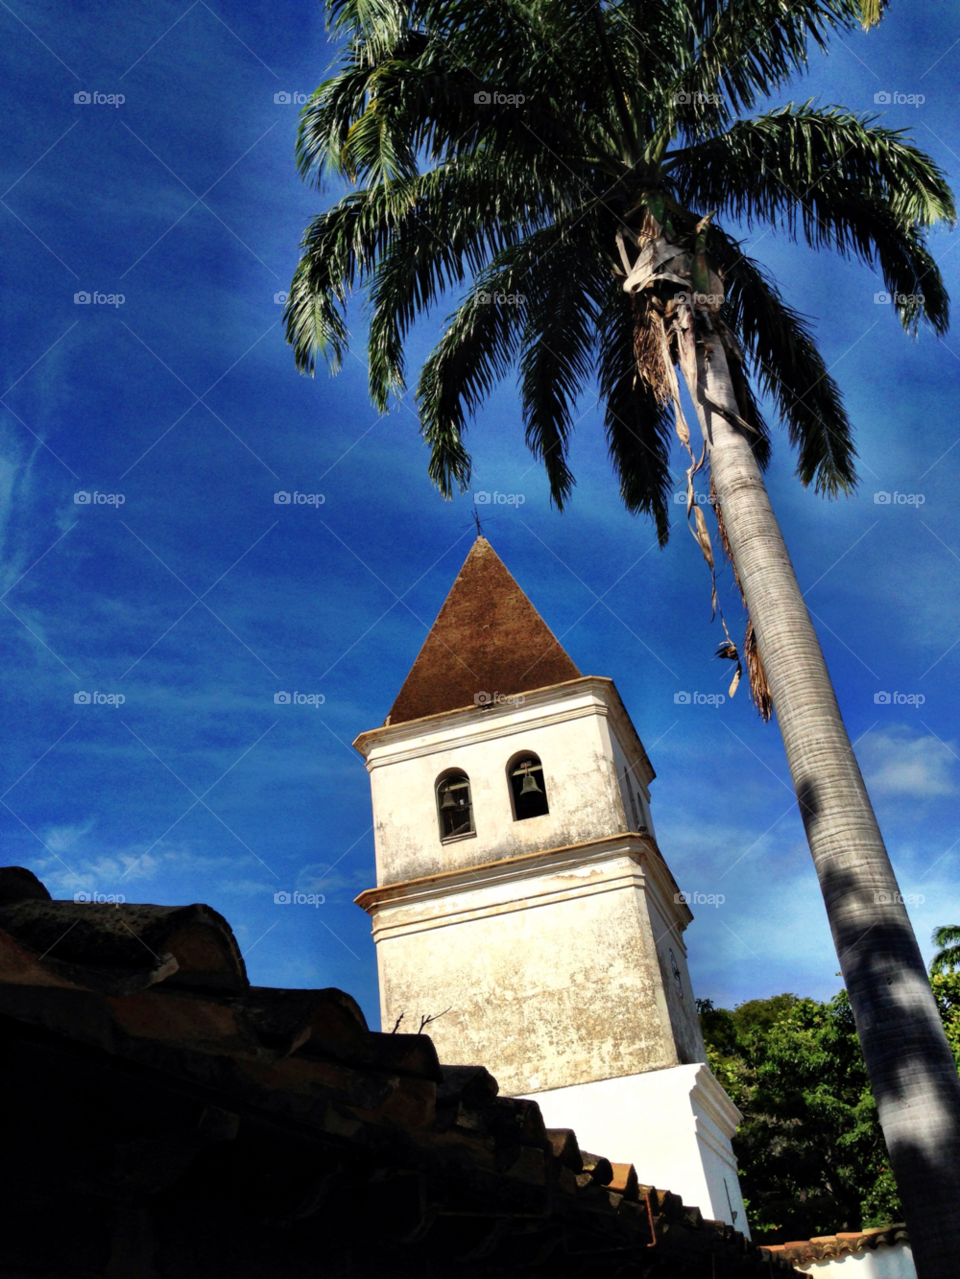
[[649, 344], [759, 688]]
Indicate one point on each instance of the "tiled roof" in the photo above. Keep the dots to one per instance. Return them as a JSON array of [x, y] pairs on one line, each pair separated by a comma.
[[487, 638], [153, 1003], [831, 1247]]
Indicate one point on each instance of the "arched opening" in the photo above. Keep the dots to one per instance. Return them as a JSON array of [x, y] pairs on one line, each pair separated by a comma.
[[454, 806], [528, 791]]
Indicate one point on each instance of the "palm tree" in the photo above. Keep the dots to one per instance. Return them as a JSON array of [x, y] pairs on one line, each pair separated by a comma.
[[947, 958], [572, 164]]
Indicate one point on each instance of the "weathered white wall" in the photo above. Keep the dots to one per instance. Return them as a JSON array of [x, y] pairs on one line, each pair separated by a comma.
[[567, 726], [549, 966], [675, 1126], [893, 1262]]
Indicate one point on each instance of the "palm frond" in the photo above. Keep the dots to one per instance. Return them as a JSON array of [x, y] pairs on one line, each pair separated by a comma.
[[840, 182], [789, 368], [561, 295], [947, 958], [744, 49], [638, 420]]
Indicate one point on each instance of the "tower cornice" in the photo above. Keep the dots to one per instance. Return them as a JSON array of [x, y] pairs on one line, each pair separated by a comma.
[[552, 704]]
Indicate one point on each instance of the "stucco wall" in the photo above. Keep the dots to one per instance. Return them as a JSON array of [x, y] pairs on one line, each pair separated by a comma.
[[550, 972], [894, 1262], [566, 727], [675, 1126]]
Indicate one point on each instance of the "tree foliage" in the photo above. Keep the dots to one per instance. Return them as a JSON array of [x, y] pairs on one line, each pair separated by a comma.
[[810, 1150], [947, 958], [499, 149]]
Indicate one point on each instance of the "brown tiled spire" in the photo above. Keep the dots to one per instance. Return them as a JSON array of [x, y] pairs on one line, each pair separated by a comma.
[[487, 638]]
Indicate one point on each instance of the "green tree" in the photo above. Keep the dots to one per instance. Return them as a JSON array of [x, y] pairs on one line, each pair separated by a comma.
[[946, 991], [580, 158], [947, 937], [810, 1149]]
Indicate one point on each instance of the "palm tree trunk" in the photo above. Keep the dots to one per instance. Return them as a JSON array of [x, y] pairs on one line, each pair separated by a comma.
[[912, 1072]]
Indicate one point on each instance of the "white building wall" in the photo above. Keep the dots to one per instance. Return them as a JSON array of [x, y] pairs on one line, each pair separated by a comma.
[[675, 1126], [566, 727], [546, 971], [887, 1262], [546, 943]]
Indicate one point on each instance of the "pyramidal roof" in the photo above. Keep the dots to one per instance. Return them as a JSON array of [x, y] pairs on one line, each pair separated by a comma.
[[488, 638]]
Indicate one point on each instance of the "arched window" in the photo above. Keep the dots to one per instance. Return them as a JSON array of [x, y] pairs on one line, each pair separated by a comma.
[[527, 789], [454, 806], [676, 974]]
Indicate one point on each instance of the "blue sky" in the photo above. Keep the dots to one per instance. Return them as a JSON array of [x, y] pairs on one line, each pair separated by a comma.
[[198, 598]]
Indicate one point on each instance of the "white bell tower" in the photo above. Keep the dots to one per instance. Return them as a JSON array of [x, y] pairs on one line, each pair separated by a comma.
[[522, 895]]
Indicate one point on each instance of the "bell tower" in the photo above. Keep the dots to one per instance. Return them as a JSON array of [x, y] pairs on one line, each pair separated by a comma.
[[522, 899]]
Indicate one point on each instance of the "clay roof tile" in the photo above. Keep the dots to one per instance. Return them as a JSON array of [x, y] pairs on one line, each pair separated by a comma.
[[487, 638]]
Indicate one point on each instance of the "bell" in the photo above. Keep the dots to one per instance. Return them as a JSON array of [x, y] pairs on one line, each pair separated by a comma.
[[448, 801], [530, 786]]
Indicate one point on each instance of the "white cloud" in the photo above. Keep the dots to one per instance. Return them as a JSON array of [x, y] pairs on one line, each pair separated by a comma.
[[896, 762]]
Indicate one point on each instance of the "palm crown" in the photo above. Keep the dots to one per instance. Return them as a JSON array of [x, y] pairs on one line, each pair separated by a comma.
[[947, 958], [629, 110]]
